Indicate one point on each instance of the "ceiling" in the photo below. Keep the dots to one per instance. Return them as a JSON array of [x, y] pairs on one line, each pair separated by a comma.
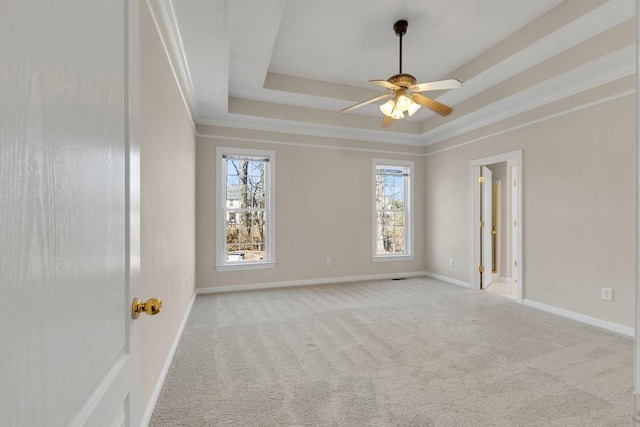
[[293, 65]]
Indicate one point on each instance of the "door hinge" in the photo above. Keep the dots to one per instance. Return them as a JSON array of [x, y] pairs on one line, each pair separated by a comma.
[[515, 223], [515, 263], [481, 269], [481, 179], [481, 224], [514, 183]]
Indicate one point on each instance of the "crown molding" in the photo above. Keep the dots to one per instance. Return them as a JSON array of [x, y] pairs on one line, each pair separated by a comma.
[[533, 122], [580, 79], [164, 18], [312, 129], [603, 70], [575, 32], [306, 145]]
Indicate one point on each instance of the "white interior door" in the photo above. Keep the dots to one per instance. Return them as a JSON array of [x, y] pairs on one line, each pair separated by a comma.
[[487, 219], [66, 186], [514, 223]]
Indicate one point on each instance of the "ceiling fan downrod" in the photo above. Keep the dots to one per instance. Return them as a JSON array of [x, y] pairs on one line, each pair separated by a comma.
[[405, 92], [400, 28]]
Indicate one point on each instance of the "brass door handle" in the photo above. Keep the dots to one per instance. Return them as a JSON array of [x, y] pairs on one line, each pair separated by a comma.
[[151, 306]]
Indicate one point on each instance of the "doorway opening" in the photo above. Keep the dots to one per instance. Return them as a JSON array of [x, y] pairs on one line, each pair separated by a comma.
[[496, 224]]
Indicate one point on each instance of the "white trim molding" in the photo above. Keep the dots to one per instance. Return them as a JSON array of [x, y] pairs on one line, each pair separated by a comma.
[[263, 124], [266, 140], [386, 258], [307, 282], [167, 27], [448, 280], [593, 321], [583, 78]]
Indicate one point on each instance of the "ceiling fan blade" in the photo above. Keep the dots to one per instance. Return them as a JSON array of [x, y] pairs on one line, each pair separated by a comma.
[[386, 121], [439, 85], [431, 104], [369, 101], [385, 84]]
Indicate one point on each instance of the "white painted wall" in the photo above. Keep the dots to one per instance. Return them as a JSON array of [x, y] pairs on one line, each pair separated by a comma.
[[324, 206], [579, 202], [167, 152]]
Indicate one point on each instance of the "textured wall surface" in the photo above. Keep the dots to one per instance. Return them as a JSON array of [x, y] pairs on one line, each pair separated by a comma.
[[167, 197], [323, 210], [579, 208]]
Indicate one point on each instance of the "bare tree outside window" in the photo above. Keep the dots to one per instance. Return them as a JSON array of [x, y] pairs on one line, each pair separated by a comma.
[[391, 214], [245, 209]]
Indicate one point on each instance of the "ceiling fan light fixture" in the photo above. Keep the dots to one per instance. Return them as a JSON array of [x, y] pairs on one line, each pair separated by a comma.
[[413, 108], [397, 114], [388, 107], [403, 103], [401, 83]]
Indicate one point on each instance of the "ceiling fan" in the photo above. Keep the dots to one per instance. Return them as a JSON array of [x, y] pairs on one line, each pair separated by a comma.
[[404, 90]]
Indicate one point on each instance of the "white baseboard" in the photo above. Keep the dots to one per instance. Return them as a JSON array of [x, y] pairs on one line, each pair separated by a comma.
[[448, 280], [165, 369], [308, 282], [505, 279], [594, 321]]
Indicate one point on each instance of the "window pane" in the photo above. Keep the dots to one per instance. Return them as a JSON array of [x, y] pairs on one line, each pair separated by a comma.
[[245, 204], [245, 208], [390, 202], [246, 241]]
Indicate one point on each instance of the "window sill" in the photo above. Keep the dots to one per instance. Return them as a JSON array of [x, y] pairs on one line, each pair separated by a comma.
[[245, 266], [382, 258]]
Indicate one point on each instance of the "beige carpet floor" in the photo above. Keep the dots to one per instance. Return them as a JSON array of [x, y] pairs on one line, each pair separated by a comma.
[[414, 352]]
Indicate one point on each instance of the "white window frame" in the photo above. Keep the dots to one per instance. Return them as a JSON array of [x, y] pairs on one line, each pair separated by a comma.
[[270, 206], [408, 255]]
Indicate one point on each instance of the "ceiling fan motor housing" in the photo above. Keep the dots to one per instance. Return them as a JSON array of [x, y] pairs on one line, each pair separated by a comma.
[[402, 80], [400, 27], [399, 84]]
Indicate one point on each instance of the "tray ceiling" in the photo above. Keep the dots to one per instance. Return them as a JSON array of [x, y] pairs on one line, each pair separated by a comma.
[[292, 66]]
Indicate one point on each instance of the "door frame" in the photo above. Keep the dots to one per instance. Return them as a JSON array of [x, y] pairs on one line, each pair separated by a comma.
[[474, 210]]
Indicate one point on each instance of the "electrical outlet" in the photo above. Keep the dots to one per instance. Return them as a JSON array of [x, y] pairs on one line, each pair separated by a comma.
[[450, 262], [607, 294], [327, 261]]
